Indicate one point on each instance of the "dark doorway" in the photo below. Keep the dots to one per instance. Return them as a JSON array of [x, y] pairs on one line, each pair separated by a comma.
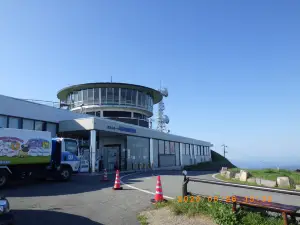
[[113, 157]]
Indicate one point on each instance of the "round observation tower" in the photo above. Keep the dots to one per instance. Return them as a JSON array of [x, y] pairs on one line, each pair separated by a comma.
[[123, 102]]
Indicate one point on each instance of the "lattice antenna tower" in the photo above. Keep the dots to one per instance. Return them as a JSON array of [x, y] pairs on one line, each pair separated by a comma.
[[162, 119]]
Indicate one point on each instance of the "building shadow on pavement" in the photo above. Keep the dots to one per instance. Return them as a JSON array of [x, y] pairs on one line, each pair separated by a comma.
[[43, 217], [78, 184], [83, 183]]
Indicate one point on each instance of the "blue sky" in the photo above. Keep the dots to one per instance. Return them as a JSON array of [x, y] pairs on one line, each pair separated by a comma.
[[231, 67]]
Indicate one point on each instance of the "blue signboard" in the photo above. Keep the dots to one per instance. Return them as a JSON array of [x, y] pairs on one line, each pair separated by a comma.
[[122, 129]]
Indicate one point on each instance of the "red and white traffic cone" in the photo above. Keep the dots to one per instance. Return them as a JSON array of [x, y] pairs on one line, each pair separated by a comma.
[[117, 185], [105, 176], [158, 192]]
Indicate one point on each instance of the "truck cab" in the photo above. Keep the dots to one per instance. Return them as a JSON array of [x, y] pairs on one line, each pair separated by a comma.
[[65, 156]]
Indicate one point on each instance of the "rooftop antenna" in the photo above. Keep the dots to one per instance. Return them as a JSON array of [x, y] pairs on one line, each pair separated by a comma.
[[162, 119], [110, 79], [224, 149]]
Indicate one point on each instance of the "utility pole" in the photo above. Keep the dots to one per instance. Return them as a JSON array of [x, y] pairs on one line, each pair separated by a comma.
[[224, 149]]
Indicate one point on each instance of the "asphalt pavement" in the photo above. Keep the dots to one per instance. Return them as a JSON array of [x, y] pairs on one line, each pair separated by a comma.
[[172, 187], [88, 200], [84, 200]]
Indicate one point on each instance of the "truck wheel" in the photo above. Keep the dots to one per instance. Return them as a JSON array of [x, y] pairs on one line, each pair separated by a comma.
[[3, 180], [65, 173]]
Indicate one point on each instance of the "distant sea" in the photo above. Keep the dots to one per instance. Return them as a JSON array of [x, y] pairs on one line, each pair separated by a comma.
[[264, 165]]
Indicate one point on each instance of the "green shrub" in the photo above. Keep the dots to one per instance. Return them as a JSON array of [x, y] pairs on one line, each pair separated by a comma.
[[222, 213]]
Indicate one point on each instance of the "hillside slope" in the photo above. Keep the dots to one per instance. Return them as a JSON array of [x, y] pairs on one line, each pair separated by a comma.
[[218, 161]]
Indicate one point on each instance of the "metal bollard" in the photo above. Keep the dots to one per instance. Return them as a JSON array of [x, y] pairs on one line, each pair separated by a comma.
[[184, 187]]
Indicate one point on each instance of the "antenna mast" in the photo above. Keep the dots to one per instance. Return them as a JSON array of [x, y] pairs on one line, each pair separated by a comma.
[[162, 119], [224, 149]]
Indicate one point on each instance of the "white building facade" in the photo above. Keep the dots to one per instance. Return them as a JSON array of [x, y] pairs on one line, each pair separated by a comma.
[[117, 144]]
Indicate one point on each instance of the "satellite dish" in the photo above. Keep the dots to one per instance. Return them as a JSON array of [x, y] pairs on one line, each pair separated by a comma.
[[164, 92], [166, 119]]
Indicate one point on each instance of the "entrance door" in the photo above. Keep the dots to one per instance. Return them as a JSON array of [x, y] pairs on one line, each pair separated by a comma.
[[112, 157]]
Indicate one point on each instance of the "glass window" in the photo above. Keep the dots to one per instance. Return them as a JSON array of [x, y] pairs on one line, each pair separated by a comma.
[[172, 147], [3, 121], [183, 149], [90, 96], [85, 97], [28, 124], [139, 98], [79, 95], [177, 152], [96, 96], [68, 99], [161, 146], [51, 127], [138, 150], [155, 153], [128, 96], [187, 149], [198, 150], [72, 97], [13, 122], [76, 96], [71, 146], [103, 96], [143, 99], [123, 96], [116, 95], [151, 103], [146, 101], [98, 114], [38, 125], [195, 149], [110, 95], [133, 97], [167, 147]]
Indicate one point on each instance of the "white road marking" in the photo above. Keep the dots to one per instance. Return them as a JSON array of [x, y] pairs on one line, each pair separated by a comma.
[[139, 189], [214, 176]]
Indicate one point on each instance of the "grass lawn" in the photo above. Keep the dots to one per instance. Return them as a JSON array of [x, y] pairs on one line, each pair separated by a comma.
[[235, 181], [272, 174], [247, 183], [220, 213], [26, 160]]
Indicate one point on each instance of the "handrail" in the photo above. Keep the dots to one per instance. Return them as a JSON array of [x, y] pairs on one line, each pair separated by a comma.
[[193, 179]]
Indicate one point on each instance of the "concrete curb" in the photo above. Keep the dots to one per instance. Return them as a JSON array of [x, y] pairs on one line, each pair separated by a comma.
[[260, 188]]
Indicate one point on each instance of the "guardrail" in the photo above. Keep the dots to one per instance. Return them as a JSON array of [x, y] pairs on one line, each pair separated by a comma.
[[186, 180]]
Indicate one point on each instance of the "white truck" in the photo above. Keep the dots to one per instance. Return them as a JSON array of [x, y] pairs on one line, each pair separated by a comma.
[[29, 153]]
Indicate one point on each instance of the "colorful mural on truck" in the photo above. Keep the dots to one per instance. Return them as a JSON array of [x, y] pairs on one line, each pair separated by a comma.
[[14, 150]]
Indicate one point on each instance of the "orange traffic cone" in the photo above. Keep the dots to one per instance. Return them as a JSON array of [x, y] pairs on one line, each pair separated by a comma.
[[105, 176], [158, 193], [117, 185]]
